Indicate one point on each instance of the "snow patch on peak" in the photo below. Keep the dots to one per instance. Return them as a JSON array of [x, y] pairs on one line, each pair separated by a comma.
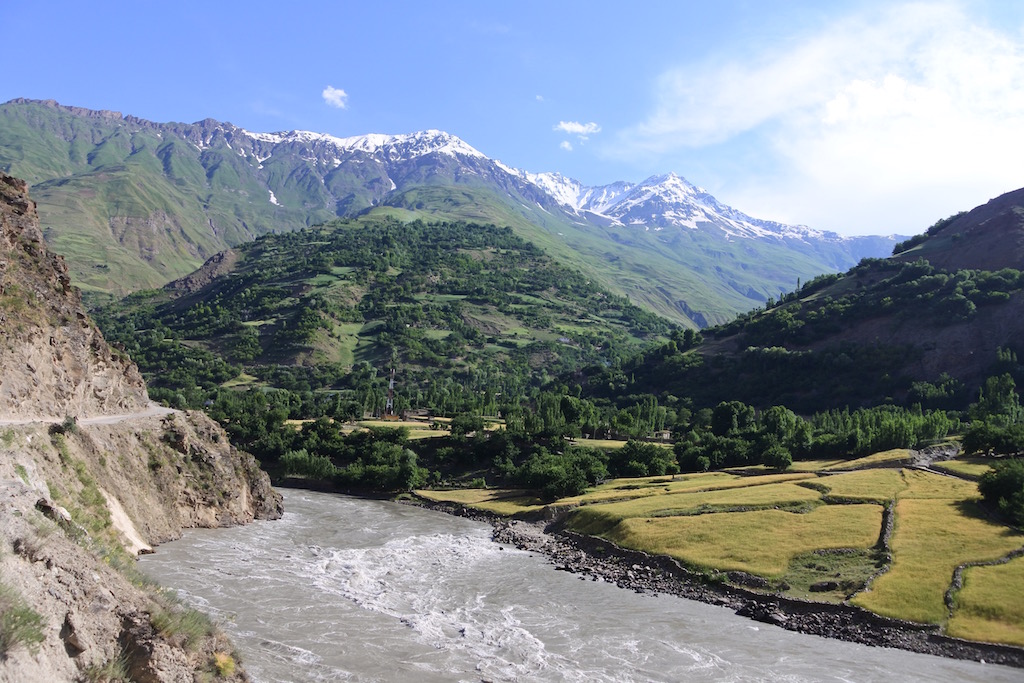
[[392, 146]]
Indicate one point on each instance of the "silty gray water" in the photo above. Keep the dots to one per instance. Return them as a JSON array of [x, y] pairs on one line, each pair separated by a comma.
[[346, 589]]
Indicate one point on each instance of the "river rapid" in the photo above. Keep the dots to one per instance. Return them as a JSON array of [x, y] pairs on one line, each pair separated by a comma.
[[347, 589]]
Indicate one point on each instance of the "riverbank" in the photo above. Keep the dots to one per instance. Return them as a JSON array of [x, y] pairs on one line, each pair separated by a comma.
[[598, 560]]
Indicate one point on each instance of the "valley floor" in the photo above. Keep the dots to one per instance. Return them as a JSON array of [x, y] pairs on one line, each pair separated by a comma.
[[887, 555]]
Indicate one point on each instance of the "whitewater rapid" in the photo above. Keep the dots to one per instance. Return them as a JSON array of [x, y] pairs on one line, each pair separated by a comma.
[[346, 589]]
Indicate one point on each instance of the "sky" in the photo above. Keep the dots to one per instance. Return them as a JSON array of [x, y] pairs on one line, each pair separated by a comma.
[[857, 116]]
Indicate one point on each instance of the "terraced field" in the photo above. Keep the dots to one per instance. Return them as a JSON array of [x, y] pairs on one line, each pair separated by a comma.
[[819, 533]]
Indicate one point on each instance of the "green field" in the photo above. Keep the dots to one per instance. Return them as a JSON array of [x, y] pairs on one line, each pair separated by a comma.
[[803, 528], [990, 606]]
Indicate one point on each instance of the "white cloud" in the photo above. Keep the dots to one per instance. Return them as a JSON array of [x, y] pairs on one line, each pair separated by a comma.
[[335, 97], [540, 98], [582, 130], [868, 125], [566, 145]]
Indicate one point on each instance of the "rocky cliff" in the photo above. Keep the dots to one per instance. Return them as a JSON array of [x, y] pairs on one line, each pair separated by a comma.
[[78, 499], [54, 360]]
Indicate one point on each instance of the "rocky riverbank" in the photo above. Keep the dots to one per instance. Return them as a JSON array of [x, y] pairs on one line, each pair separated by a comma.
[[598, 560]]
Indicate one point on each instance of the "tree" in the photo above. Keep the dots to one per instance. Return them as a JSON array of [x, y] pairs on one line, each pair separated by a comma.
[[777, 456], [998, 399], [464, 424], [641, 459], [729, 417], [1002, 487]]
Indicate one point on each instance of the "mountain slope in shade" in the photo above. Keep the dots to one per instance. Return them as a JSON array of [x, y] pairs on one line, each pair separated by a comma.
[[134, 203], [989, 237], [927, 325]]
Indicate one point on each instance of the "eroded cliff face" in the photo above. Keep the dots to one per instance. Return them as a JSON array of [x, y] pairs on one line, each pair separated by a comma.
[[79, 499], [53, 360]]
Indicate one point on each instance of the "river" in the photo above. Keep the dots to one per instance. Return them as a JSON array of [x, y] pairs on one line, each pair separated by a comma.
[[346, 589]]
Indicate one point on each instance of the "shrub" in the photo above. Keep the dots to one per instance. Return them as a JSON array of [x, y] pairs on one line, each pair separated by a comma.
[[224, 664], [68, 426], [301, 463], [1003, 488], [19, 623], [115, 669], [188, 626]]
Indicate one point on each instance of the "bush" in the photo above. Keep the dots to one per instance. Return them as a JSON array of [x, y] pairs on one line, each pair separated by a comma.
[[301, 463], [185, 625], [1002, 487], [19, 623], [68, 426], [224, 664], [778, 457]]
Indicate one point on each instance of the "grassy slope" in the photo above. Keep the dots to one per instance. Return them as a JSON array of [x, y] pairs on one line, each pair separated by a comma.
[[682, 275]]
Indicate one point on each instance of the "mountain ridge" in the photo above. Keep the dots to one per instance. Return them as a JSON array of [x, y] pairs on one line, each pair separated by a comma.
[[135, 203]]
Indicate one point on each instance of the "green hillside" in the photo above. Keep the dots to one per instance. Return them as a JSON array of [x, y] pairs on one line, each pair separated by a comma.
[[133, 204], [452, 306], [891, 330]]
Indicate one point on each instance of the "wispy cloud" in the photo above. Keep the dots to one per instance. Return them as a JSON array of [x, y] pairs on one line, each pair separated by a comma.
[[566, 145], [915, 103], [581, 130], [335, 97]]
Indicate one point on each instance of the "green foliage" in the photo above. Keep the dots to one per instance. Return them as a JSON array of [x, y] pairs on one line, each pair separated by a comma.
[[912, 242], [69, 425], [1002, 487], [301, 464], [185, 625], [777, 456], [998, 401], [990, 437], [558, 476], [19, 623], [463, 424], [640, 459], [466, 313], [384, 467], [998, 419], [738, 436], [223, 664], [115, 669]]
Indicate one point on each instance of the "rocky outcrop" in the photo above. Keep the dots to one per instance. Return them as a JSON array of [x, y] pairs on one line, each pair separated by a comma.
[[217, 265], [53, 359], [78, 500], [94, 622], [70, 495]]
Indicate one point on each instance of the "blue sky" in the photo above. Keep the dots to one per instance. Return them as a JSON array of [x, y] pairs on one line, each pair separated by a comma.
[[854, 116]]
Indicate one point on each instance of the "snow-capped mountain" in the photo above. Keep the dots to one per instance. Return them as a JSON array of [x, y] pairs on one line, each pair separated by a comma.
[[666, 201], [658, 203], [390, 147], [663, 242]]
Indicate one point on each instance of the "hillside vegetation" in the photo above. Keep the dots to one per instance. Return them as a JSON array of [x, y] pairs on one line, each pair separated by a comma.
[[134, 204], [468, 315]]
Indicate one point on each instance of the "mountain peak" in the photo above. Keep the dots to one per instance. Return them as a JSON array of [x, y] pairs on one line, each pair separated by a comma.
[[406, 146]]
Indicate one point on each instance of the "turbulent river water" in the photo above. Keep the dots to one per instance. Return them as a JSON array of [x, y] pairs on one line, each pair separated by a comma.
[[346, 589]]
